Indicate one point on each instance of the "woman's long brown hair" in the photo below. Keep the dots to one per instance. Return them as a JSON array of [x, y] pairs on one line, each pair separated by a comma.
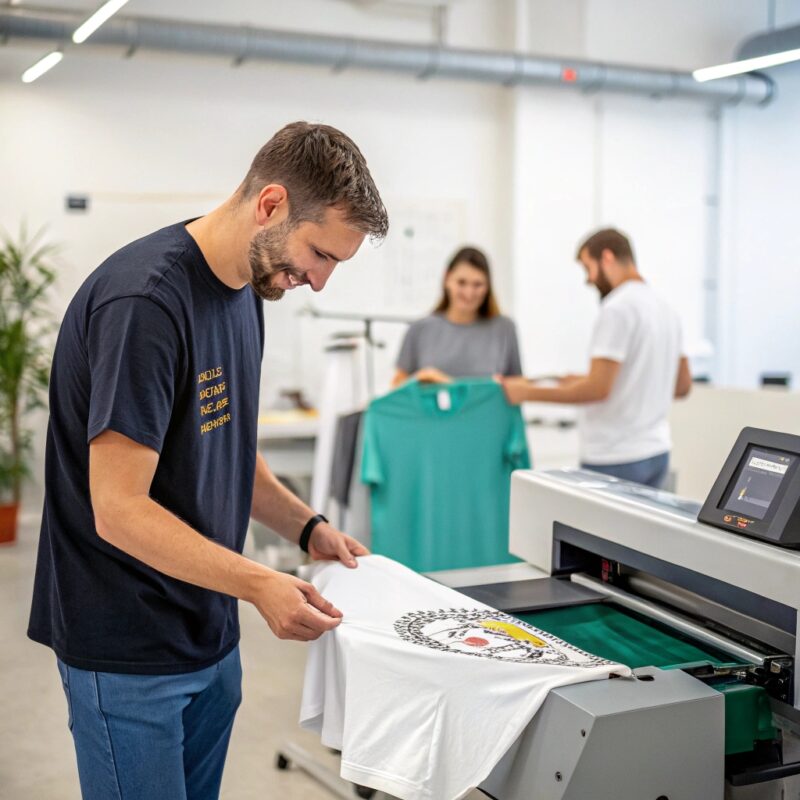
[[477, 259]]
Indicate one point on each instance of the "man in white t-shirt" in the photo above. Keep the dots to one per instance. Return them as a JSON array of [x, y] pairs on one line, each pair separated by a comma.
[[637, 367]]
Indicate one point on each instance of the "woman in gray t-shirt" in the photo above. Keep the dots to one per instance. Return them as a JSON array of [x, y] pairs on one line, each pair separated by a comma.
[[466, 336]]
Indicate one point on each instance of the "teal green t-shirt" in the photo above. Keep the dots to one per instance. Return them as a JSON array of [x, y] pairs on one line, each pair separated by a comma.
[[438, 459]]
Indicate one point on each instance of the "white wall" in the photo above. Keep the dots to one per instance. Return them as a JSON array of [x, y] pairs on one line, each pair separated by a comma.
[[760, 307], [154, 139], [582, 164], [523, 172], [718, 415], [679, 34], [647, 166]]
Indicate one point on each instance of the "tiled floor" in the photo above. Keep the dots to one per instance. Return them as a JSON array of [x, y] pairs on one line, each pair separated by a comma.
[[37, 761]]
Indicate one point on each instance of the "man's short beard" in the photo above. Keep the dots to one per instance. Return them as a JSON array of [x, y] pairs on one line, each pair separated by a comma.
[[602, 283], [268, 257]]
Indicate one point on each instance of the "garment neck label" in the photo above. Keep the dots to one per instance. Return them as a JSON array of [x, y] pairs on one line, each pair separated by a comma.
[[444, 400]]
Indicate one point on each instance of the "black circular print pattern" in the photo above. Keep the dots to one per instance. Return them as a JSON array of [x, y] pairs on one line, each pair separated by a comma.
[[490, 634]]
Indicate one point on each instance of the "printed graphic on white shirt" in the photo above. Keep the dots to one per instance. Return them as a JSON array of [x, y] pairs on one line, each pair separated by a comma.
[[423, 689], [491, 634]]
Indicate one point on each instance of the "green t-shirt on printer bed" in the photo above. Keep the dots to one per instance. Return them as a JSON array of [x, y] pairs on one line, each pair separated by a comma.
[[438, 459]]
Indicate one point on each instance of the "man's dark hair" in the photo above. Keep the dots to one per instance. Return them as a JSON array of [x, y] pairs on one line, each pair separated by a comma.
[[320, 167], [608, 239]]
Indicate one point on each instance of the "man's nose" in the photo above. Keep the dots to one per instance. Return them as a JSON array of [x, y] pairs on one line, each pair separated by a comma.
[[318, 276]]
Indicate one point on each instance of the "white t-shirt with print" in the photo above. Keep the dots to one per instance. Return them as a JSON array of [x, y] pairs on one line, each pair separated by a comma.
[[638, 329], [423, 689]]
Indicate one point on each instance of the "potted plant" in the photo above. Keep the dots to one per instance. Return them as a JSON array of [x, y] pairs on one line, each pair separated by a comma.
[[25, 324]]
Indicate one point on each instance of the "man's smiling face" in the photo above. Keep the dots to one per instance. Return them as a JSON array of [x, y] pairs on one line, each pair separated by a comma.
[[284, 256]]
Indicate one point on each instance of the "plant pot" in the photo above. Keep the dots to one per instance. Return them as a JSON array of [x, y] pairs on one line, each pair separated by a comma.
[[8, 523]]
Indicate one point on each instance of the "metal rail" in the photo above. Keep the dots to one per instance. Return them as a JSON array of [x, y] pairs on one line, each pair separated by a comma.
[[674, 621]]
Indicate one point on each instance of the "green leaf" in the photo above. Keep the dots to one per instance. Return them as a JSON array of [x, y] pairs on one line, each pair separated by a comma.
[[26, 331]]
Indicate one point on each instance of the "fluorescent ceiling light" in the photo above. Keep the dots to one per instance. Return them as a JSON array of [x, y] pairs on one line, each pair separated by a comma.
[[42, 66], [103, 14], [746, 65]]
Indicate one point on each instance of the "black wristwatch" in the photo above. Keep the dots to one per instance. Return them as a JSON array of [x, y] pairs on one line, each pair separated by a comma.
[[306, 534]]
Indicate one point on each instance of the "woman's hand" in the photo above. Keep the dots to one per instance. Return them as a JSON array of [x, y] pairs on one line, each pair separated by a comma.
[[432, 375]]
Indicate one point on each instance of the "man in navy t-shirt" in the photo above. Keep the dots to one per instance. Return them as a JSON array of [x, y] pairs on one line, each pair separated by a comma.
[[152, 470]]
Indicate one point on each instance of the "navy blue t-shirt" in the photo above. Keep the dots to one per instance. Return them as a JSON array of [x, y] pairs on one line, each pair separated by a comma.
[[155, 347]]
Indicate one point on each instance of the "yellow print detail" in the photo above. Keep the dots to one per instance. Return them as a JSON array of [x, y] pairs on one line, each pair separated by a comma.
[[213, 399], [209, 375], [213, 407], [213, 424], [514, 631], [212, 391]]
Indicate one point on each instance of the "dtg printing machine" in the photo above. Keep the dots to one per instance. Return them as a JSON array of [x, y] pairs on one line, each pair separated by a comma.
[[702, 603]]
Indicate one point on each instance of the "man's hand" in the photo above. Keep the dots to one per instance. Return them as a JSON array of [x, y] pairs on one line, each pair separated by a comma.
[[516, 389], [592, 388], [294, 609], [328, 544], [432, 375]]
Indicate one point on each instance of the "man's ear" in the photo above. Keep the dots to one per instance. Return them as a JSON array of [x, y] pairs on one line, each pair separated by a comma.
[[272, 204]]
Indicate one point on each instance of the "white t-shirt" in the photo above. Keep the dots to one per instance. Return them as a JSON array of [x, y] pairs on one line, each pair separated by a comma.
[[423, 689], [637, 328]]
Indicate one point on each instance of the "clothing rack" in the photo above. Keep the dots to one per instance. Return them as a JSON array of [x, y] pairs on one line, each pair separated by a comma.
[[368, 320]]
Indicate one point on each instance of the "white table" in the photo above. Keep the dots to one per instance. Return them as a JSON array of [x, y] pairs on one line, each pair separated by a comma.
[[287, 440]]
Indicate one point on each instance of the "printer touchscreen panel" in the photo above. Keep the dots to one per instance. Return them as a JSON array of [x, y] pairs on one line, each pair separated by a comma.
[[757, 492], [759, 479]]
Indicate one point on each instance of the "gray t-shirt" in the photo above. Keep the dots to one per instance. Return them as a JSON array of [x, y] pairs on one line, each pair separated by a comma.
[[481, 348]]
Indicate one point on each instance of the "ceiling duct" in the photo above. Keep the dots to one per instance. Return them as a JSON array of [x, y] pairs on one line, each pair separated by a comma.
[[243, 43]]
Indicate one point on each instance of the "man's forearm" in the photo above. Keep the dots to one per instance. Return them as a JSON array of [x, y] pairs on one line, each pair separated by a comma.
[[149, 532], [577, 390], [277, 507]]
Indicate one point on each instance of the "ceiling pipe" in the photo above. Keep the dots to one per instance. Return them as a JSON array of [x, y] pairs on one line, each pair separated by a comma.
[[243, 43]]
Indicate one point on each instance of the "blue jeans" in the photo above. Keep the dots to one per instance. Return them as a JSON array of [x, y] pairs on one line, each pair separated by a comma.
[[152, 737], [649, 471]]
